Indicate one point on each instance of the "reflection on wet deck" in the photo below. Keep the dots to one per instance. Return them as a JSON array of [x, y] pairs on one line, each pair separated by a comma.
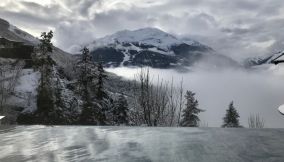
[[78, 143]]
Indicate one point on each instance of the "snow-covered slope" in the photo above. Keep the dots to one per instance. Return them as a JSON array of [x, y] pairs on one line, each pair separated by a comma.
[[271, 59], [12, 33], [25, 91], [23, 35], [147, 46], [5, 32], [147, 36]]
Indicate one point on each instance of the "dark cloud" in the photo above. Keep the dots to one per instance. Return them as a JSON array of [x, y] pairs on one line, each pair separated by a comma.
[[238, 28]]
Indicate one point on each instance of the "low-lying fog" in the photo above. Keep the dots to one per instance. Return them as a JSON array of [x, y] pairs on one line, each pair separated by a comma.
[[255, 91]]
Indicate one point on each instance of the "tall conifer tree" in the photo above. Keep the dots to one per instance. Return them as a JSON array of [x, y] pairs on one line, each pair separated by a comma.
[[190, 113], [231, 118]]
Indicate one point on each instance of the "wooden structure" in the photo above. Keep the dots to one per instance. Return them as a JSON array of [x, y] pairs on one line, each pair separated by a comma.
[[16, 50]]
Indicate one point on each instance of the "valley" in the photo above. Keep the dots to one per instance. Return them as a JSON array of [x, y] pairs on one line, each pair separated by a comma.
[[216, 79]]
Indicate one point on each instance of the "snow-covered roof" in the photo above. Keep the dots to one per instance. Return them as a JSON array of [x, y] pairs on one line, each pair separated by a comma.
[[1, 117], [9, 39]]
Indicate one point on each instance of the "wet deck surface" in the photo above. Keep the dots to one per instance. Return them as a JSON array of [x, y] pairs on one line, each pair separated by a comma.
[[78, 143]]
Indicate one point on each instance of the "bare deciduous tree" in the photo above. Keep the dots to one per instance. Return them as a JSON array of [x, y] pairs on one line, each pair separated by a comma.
[[180, 102], [9, 75], [156, 103], [255, 121]]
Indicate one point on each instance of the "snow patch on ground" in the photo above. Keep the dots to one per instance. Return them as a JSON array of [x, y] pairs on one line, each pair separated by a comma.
[[25, 92], [28, 82]]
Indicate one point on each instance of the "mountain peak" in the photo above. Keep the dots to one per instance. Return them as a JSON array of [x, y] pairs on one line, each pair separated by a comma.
[[146, 46], [150, 30], [147, 36], [147, 30]]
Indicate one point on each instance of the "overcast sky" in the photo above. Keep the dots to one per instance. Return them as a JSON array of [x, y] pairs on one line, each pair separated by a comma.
[[237, 28]]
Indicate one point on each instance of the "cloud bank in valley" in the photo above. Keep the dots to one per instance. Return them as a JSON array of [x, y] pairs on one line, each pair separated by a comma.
[[259, 91], [238, 28]]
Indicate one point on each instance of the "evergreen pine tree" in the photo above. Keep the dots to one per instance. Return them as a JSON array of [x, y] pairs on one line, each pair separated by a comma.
[[45, 113], [86, 71], [92, 113], [101, 95], [231, 118], [190, 113], [60, 107], [120, 111], [100, 92]]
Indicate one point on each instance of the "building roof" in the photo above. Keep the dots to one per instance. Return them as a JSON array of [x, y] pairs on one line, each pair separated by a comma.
[[10, 40]]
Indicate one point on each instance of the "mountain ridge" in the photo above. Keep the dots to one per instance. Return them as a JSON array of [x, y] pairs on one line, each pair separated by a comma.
[[267, 59], [149, 36], [149, 47], [12, 33]]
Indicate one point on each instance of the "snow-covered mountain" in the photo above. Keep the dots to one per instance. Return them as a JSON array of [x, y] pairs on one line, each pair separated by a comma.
[[148, 46], [271, 59], [146, 36], [11, 32]]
